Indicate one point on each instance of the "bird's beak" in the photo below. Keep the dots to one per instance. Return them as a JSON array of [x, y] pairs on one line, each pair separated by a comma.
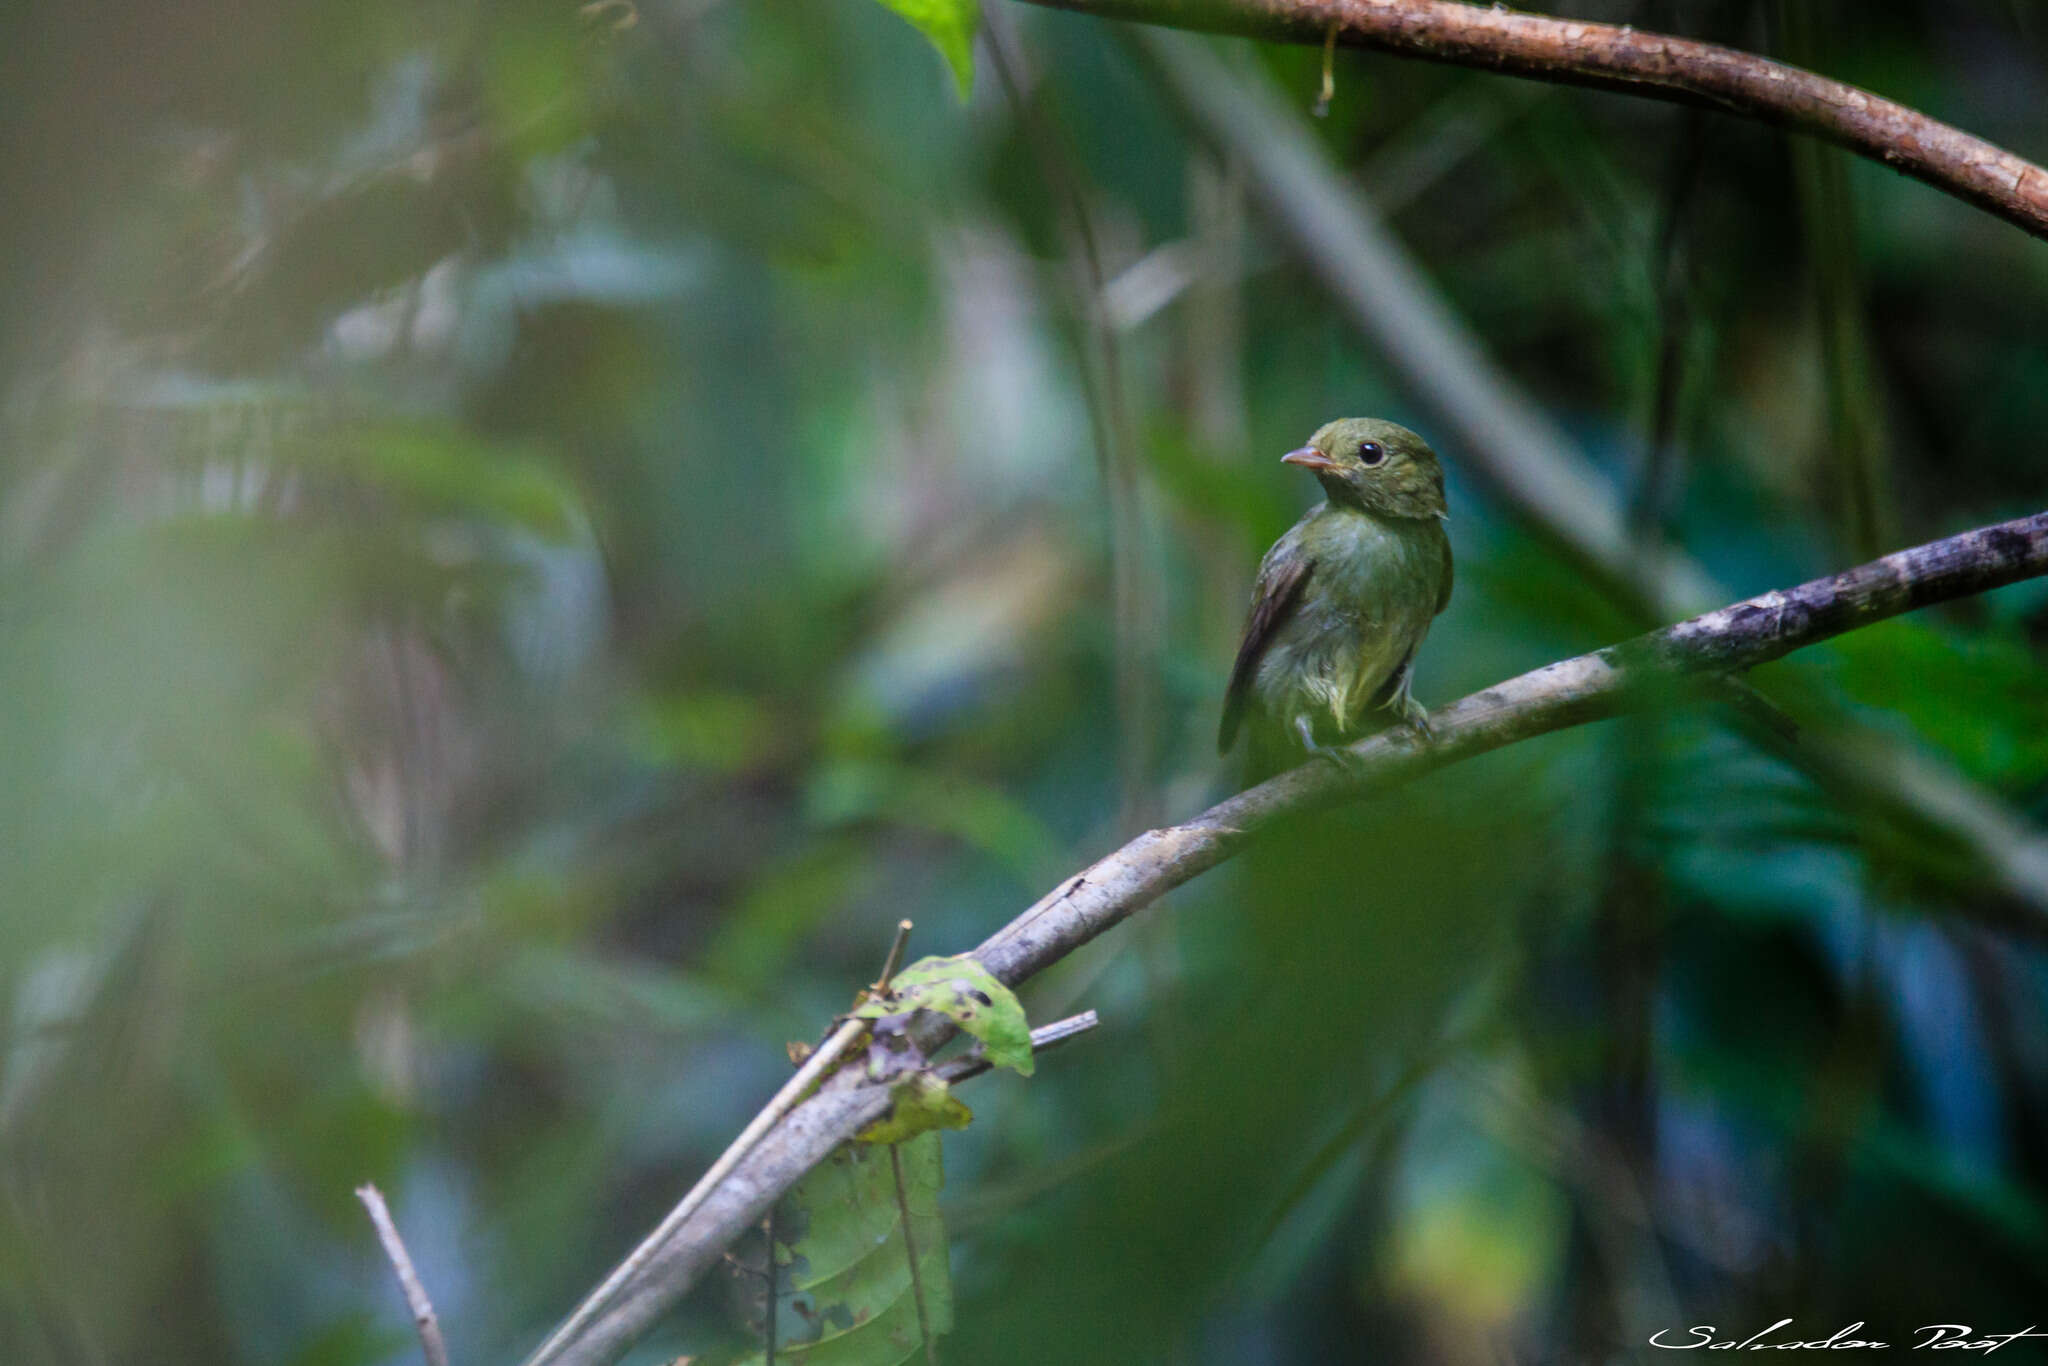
[[1309, 458]]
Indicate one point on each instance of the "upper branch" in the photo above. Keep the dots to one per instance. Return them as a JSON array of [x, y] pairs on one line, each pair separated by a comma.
[[1655, 65]]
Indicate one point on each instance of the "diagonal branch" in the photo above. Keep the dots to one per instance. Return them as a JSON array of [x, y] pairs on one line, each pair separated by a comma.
[[1588, 687], [1610, 57], [1637, 673]]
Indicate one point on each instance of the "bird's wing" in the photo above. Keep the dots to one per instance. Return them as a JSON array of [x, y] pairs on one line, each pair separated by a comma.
[[1443, 595], [1273, 597]]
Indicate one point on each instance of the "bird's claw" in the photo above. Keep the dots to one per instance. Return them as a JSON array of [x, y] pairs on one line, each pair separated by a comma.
[[1346, 760]]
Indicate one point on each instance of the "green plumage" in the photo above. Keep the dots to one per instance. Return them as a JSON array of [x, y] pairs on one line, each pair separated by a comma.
[[1344, 599]]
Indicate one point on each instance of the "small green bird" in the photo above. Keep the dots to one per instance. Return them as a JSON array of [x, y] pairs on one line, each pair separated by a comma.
[[1344, 599]]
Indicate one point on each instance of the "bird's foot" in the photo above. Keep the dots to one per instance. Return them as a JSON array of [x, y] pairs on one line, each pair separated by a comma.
[[1347, 761], [1417, 715], [1344, 759]]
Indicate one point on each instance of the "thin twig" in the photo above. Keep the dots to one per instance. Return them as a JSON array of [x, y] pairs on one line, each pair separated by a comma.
[[423, 1318], [1654, 65], [1042, 1038], [895, 958], [1649, 670], [1063, 1031]]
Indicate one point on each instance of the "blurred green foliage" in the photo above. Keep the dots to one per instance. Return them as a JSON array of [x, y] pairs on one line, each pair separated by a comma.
[[530, 537]]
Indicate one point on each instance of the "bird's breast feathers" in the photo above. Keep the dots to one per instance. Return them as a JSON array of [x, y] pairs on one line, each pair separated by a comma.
[[1370, 603]]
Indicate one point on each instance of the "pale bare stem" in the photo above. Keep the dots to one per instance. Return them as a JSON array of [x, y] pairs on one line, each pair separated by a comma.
[[1062, 1031], [1634, 675], [423, 1318], [924, 1319], [895, 958], [1042, 1038], [1619, 57]]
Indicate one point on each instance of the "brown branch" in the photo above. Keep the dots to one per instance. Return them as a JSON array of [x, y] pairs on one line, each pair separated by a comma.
[[423, 1319], [1635, 674], [1654, 65]]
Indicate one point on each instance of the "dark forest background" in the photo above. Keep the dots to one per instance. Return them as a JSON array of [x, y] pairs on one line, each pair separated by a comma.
[[530, 537]]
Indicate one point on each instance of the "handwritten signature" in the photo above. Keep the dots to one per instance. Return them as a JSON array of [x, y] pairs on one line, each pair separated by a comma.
[[1958, 1336]]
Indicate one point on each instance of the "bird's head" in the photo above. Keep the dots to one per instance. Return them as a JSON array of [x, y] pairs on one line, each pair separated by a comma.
[[1379, 466]]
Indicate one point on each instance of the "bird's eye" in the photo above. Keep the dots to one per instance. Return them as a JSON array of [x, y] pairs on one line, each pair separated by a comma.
[[1371, 452]]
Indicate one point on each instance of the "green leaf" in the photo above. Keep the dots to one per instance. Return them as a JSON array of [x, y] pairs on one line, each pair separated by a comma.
[[950, 25], [847, 1265], [923, 1103], [969, 995]]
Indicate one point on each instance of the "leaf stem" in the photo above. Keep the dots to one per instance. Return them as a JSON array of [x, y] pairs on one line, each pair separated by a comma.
[[924, 1321]]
